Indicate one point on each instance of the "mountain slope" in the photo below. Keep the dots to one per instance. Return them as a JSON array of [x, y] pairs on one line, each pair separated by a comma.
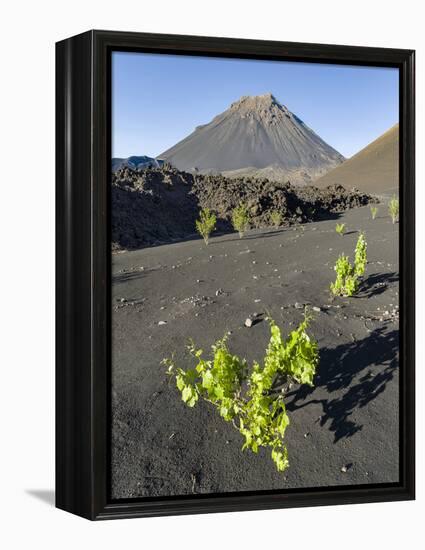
[[256, 132], [374, 169]]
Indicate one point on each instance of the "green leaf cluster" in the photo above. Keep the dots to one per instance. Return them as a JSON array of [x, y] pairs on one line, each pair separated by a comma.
[[340, 228], [373, 211], [240, 219], [347, 275], [360, 256], [206, 224], [393, 208], [346, 281], [276, 218], [252, 399]]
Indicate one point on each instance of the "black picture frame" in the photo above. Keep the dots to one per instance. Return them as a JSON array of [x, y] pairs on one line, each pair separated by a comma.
[[83, 273]]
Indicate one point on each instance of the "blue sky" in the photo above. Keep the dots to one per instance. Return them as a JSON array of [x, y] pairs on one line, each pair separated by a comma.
[[157, 100]]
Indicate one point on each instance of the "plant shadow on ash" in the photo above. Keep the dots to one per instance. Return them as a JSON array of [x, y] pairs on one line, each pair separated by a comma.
[[254, 236], [344, 369], [120, 278], [377, 284]]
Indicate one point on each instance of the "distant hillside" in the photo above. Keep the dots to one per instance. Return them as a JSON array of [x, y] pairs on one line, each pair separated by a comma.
[[273, 172], [374, 169], [135, 163], [256, 133]]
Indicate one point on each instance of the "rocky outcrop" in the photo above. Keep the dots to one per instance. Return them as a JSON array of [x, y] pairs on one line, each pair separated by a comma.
[[159, 205]]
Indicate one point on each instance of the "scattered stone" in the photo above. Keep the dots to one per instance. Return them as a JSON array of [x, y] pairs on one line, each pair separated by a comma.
[[307, 434], [257, 300], [123, 300], [219, 292], [197, 300], [162, 322], [297, 305], [248, 322], [316, 308]]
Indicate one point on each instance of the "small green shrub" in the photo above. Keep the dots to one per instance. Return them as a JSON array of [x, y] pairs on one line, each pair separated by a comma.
[[393, 208], [240, 219], [360, 256], [373, 211], [346, 281], [276, 218], [252, 400], [340, 228], [347, 275], [206, 224]]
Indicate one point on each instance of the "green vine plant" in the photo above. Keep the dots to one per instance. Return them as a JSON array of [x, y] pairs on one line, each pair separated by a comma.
[[240, 219], [360, 256], [346, 282], [206, 224], [340, 228], [347, 275], [394, 208], [276, 218], [252, 399]]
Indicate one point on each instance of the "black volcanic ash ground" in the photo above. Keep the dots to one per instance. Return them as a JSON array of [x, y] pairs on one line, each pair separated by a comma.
[[344, 431]]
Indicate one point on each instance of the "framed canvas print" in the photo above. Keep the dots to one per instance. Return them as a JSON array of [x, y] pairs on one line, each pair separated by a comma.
[[235, 274]]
